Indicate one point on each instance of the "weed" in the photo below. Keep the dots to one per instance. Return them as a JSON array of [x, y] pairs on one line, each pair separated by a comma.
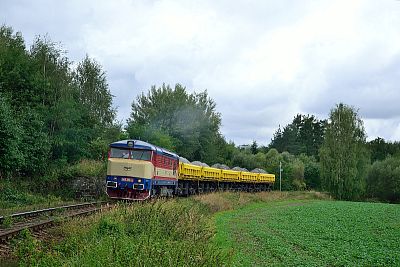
[[26, 248], [107, 226], [7, 222]]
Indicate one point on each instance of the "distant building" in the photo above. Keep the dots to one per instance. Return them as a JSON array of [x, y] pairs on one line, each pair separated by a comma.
[[244, 147]]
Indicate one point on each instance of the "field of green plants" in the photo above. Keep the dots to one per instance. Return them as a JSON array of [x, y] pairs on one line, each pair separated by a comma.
[[311, 233], [223, 229]]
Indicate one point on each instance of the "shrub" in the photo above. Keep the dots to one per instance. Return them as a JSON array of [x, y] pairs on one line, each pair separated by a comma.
[[383, 180], [89, 168]]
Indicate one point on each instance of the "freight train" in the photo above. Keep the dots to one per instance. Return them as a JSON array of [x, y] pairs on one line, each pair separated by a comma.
[[138, 170]]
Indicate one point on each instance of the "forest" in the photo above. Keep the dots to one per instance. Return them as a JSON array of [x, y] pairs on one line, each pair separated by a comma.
[[57, 118]]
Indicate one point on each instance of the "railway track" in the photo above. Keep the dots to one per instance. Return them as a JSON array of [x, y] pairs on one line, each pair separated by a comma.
[[39, 219]]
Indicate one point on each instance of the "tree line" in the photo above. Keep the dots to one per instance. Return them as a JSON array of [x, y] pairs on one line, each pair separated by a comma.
[[343, 162], [331, 155], [52, 112], [55, 113]]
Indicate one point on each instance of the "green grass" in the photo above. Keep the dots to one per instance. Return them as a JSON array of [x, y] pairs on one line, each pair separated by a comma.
[[159, 233], [15, 199], [22, 194], [311, 233], [224, 229], [174, 232]]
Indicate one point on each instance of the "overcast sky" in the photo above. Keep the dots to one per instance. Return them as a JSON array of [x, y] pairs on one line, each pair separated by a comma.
[[262, 61]]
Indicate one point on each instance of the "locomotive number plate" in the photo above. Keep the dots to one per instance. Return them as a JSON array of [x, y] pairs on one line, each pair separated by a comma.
[[127, 179]]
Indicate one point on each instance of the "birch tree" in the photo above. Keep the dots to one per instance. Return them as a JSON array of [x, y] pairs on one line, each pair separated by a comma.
[[343, 155]]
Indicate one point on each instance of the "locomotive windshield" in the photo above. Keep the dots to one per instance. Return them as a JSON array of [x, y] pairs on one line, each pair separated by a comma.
[[140, 154], [130, 154]]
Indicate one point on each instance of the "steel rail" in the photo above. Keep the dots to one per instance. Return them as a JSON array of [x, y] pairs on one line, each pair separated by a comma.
[[7, 234], [37, 212]]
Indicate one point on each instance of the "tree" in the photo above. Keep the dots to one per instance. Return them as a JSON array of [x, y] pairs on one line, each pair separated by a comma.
[[245, 159], [49, 114], [384, 179], [311, 171], [293, 175], [15, 69], [297, 175], [380, 149], [277, 141], [56, 101], [35, 143], [343, 155], [11, 157], [254, 147], [304, 135], [94, 94], [187, 123]]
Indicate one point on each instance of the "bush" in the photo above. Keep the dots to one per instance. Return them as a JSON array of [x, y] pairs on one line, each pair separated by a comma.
[[11, 196], [17, 193], [383, 180], [311, 171], [89, 168]]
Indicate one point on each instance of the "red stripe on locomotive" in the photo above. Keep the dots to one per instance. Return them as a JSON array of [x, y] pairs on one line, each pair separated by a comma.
[[161, 161]]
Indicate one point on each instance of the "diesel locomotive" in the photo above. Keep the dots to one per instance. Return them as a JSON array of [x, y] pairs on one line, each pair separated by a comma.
[[138, 170]]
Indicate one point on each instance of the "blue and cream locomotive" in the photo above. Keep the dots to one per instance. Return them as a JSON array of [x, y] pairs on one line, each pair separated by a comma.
[[138, 170]]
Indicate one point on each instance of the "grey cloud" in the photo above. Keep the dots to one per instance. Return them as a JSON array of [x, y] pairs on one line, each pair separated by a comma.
[[261, 61], [375, 92]]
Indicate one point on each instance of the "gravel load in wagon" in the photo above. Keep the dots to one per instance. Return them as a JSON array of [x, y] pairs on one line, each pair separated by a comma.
[[220, 166], [184, 160], [240, 169], [198, 163], [258, 170]]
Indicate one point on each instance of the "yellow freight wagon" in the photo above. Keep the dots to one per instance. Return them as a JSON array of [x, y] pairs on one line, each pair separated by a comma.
[[189, 171], [231, 176], [264, 177], [249, 177], [270, 178], [209, 173]]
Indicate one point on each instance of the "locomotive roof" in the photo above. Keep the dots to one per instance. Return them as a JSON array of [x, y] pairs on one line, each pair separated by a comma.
[[138, 144]]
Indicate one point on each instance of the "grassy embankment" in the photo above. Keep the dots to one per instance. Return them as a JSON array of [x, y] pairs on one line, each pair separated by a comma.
[[159, 233], [228, 229], [54, 189]]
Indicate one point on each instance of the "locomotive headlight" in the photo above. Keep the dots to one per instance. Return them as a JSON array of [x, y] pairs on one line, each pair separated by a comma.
[[139, 180]]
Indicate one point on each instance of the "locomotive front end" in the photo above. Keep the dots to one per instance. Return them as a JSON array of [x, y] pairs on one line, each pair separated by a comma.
[[129, 170]]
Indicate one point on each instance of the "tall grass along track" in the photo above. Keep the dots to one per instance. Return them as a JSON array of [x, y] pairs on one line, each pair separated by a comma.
[[171, 232], [37, 219]]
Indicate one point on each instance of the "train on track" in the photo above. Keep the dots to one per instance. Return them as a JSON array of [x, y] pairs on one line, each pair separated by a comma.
[[138, 170]]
